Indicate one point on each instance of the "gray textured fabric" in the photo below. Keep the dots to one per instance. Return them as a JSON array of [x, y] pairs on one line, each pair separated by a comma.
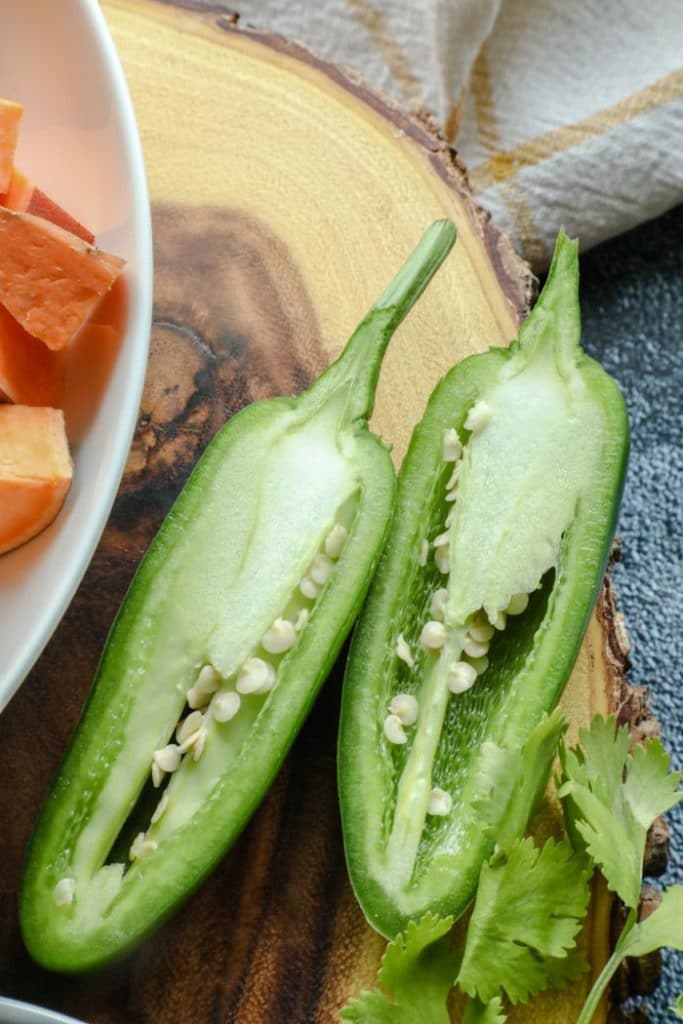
[[632, 303]]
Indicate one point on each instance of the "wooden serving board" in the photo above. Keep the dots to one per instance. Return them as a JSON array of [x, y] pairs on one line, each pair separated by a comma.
[[285, 196]]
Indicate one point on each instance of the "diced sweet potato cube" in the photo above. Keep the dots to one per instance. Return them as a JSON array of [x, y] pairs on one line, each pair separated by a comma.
[[41, 205], [10, 116], [35, 471], [50, 280], [90, 364], [30, 374], [18, 195], [23, 197]]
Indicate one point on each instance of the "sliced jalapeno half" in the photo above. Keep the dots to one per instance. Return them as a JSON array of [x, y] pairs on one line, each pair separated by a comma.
[[229, 628], [505, 512]]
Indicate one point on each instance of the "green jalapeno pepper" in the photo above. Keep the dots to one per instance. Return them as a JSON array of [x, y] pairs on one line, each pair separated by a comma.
[[505, 512], [229, 628]]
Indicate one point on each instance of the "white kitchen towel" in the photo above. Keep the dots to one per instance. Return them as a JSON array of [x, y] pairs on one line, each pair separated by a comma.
[[564, 111]]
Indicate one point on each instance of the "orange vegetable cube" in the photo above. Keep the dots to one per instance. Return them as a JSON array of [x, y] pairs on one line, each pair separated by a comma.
[[18, 195], [35, 471], [23, 197], [30, 374], [10, 116], [90, 363], [50, 280]]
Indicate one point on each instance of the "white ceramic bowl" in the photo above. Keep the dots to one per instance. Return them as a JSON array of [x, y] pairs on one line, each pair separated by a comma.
[[79, 143], [13, 1012]]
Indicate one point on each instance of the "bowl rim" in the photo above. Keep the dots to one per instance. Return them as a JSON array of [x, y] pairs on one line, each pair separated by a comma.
[[31, 1013], [137, 335]]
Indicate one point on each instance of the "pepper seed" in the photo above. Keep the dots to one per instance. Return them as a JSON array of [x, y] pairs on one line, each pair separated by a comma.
[[461, 677], [499, 620], [205, 685], [225, 706], [451, 445], [190, 741], [440, 802], [301, 619], [473, 648], [64, 891], [393, 729], [208, 680], [200, 743], [142, 847], [188, 726], [308, 588], [433, 635], [480, 629], [405, 707], [335, 540], [454, 478], [404, 652], [280, 637], [197, 698], [437, 607], [168, 758], [320, 569], [442, 558], [255, 676], [517, 604], [478, 417]]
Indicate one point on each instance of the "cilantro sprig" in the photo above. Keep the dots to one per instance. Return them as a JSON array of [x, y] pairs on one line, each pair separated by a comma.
[[610, 797], [530, 901]]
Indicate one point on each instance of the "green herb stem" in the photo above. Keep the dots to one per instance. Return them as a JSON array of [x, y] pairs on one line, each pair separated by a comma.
[[609, 970]]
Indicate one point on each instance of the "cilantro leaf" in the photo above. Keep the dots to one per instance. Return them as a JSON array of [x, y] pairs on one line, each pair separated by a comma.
[[513, 781], [372, 1007], [421, 948], [527, 913], [484, 1013], [611, 840], [664, 927], [417, 972], [611, 797], [650, 789], [602, 756], [677, 1008]]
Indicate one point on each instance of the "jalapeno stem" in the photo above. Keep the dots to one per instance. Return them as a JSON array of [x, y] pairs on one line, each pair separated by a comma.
[[358, 368], [415, 784], [555, 323]]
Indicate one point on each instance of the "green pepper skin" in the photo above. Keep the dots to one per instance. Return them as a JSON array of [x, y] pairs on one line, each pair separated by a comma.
[[226, 563], [402, 860]]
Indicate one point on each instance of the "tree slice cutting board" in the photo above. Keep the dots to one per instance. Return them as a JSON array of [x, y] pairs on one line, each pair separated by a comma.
[[285, 195]]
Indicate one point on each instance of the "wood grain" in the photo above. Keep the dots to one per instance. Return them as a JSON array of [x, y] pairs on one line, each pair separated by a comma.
[[285, 195]]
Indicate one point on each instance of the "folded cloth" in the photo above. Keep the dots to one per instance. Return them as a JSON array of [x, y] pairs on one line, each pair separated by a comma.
[[563, 113]]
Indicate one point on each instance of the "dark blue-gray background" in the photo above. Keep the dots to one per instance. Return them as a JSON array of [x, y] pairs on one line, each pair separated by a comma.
[[632, 305]]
